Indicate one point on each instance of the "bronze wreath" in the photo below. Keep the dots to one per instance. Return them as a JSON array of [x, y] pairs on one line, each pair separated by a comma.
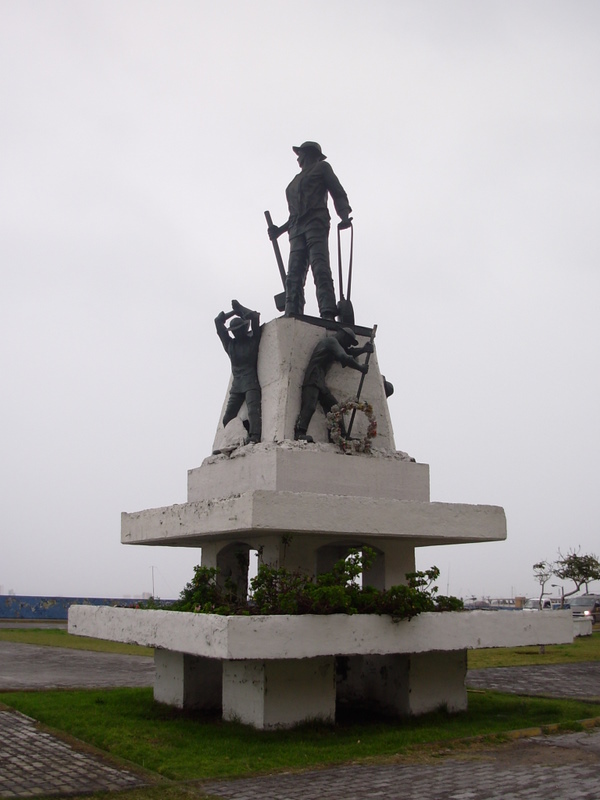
[[334, 423]]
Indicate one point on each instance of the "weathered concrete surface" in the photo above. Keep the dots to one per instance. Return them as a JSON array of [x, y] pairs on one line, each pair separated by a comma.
[[279, 694], [268, 512], [293, 637], [301, 467]]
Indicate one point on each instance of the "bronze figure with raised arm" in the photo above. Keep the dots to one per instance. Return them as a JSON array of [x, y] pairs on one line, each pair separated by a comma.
[[242, 349]]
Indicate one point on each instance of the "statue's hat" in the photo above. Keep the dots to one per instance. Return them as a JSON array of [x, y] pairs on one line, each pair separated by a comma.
[[310, 145], [349, 332]]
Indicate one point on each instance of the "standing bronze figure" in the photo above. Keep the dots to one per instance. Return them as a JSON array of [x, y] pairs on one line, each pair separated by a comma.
[[337, 348], [308, 227], [242, 349]]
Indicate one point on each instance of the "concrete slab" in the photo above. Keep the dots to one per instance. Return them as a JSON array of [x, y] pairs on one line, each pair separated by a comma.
[[263, 512], [308, 636], [302, 467]]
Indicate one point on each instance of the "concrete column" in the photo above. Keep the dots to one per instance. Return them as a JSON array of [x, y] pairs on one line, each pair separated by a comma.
[[209, 554], [232, 563], [399, 559], [279, 693], [437, 680], [186, 681], [377, 683], [403, 685], [328, 555]]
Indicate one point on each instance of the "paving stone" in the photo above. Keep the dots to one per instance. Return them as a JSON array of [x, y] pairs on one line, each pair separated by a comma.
[[58, 767]]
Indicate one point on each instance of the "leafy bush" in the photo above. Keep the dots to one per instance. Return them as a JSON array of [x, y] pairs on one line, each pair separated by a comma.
[[277, 590]]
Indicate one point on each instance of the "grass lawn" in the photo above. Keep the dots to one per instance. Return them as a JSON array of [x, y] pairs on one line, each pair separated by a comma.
[[58, 637], [185, 746], [585, 648]]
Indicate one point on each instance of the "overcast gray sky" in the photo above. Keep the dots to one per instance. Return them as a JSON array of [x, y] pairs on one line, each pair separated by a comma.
[[140, 144]]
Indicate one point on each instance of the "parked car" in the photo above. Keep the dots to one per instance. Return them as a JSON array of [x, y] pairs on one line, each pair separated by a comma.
[[533, 604], [586, 605]]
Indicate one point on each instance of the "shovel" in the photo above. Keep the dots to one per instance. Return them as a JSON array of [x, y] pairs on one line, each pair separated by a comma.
[[279, 298], [362, 381], [345, 312]]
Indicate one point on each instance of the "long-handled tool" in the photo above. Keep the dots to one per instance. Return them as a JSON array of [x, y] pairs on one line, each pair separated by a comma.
[[360, 385], [279, 298], [344, 306]]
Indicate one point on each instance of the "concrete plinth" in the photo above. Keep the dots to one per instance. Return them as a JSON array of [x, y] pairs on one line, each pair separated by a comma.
[[187, 681], [401, 685], [279, 693], [260, 513], [278, 671]]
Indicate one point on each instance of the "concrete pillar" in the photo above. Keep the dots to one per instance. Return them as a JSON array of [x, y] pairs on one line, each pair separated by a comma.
[[403, 685], [375, 576], [279, 693], [186, 681], [377, 683], [232, 563], [399, 559], [209, 554], [437, 680], [328, 555]]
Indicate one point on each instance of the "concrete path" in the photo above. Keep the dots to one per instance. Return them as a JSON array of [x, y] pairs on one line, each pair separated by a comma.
[[33, 762], [26, 666], [580, 681], [544, 768]]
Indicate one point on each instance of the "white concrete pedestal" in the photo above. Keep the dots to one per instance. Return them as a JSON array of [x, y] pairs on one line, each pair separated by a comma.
[[279, 693], [278, 671]]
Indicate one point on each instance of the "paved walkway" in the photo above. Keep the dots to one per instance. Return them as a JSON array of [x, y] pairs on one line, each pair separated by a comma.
[[545, 768], [34, 762], [27, 666], [553, 680]]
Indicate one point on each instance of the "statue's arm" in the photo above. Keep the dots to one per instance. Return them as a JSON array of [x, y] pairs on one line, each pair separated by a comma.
[[275, 231], [337, 192], [222, 330], [343, 357], [254, 317], [358, 351]]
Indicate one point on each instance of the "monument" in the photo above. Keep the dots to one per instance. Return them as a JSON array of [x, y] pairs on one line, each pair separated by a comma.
[[303, 467]]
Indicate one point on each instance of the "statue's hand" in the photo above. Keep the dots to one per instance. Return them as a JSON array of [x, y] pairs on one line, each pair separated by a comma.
[[274, 232], [364, 368], [345, 223], [368, 348]]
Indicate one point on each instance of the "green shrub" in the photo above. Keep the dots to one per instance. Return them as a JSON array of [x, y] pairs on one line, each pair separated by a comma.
[[277, 590]]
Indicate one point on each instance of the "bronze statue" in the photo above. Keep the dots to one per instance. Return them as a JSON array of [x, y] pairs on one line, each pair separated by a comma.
[[242, 349], [308, 227], [337, 348]]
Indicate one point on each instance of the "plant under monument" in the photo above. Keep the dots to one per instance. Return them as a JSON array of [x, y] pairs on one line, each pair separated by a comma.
[[277, 590]]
